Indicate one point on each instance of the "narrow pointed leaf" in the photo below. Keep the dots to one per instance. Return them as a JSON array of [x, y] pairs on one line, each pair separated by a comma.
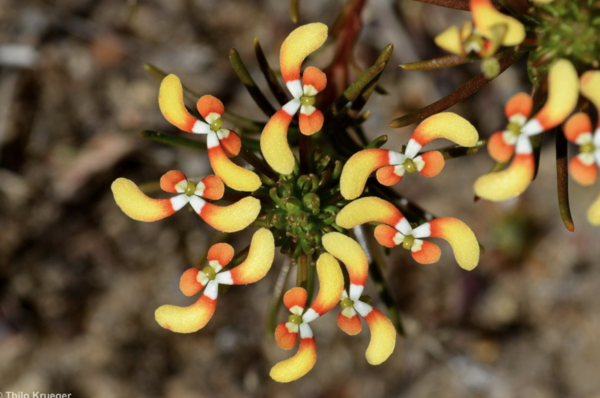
[[295, 10], [562, 181], [173, 140], [248, 81], [458, 151], [277, 298], [272, 81], [446, 61]]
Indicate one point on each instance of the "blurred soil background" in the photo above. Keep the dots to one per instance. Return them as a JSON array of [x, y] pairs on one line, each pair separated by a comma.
[[79, 281]]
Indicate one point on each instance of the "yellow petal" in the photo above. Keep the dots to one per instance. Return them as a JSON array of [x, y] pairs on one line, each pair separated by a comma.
[[486, 16], [274, 144], [446, 125], [231, 218], [170, 102], [383, 337], [350, 253], [331, 284], [366, 210], [590, 86], [233, 176], [297, 366], [461, 238], [259, 260], [450, 40], [186, 319], [594, 212], [137, 205], [357, 169], [508, 183], [297, 46]]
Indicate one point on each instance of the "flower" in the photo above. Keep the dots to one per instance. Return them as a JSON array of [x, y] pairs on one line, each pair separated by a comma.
[[391, 165], [563, 91], [222, 143], [492, 29], [140, 207], [296, 47], [458, 234], [331, 282], [196, 316]]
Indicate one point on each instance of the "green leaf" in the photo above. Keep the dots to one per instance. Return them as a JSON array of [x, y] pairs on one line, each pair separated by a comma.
[[272, 81], [277, 298], [562, 181], [170, 139], [437, 63], [248, 81]]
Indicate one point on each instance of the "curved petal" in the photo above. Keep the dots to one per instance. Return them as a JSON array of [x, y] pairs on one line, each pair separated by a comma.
[[348, 251], [331, 284], [297, 46], [498, 148], [233, 176], [351, 326], [509, 183], [359, 167], [385, 236], [274, 144], [446, 125], [563, 92], [519, 104], [284, 338], [486, 17], [311, 124], [259, 260], [170, 102], [231, 143], [188, 284], [584, 174], [387, 176], [577, 125], [220, 252], [186, 319], [450, 40], [297, 366], [313, 81], [590, 86], [295, 297], [137, 205], [366, 210], [461, 238], [208, 104], [383, 337], [434, 163], [231, 218], [170, 180], [429, 253], [593, 213], [213, 188]]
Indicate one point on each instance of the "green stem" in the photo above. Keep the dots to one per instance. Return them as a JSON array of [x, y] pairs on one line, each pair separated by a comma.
[[562, 181], [277, 298]]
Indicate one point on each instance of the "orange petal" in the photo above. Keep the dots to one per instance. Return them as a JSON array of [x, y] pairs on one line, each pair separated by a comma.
[[313, 77], [577, 124], [498, 149], [450, 40], [295, 297], [461, 238], [188, 284], [169, 180], [351, 326], [274, 144], [259, 260], [231, 144], [366, 210], [331, 284], [590, 86], [186, 319], [593, 213], [284, 338], [213, 187], [231, 218], [429, 253], [310, 125], [297, 46], [358, 168], [383, 337], [387, 177], [170, 102], [508, 183], [582, 173], [221, 252], [348, 251], [434, 163], [297, 366], [385, 235], [446, 125], [233, 176], [563, 92], [486, 17], [520, 103], [137, 205], [208, 104]]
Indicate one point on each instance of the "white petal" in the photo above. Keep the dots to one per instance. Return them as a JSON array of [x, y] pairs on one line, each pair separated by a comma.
[[399, 170], [404, 226], [518, 118], [223, 133], [310, 315], [305, 331], [179, 201], [416, 246], [509, 137], [200, 128], [197, 203], [355, 291], [297, 310], [398, 239], [292, 107], [215, 265], [532, 127], [422, 231], [200, 187], [307, 110], [212, 140], [586, 158], [224, 278], [310, 90], [363, 309], [295, 88], [212, 117], [211, 290], [412, 148], [348, 312], [396, 158], [523, 145], [419, 163], [202, 278], [181, 186], [584, 138], [291, 327]]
